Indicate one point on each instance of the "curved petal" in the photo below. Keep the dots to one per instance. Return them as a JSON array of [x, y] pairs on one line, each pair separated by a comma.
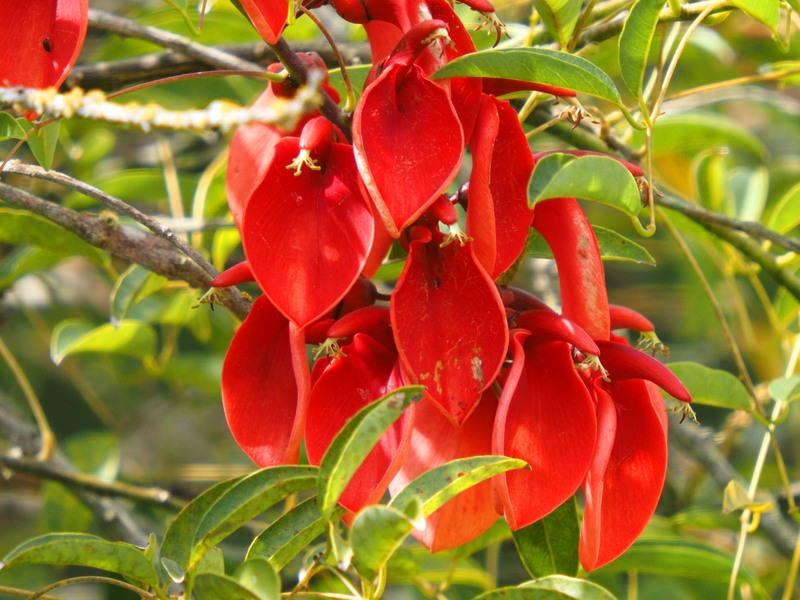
[[287, 211], [436, 441], [546, 417], [265, 382], [267, 16], [408, 143], [365, 372], [449, 324], [498, 217], [622, 495], [40, 41], [567, 231]]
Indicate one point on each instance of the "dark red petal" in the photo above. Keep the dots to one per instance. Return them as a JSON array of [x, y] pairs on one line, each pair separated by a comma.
[[436, 441], [267, 16], [40, 41], [366, 372], [621, 498], [265, 382], [449, 325], [372, 320], [498, 217], [546, 417], [498, 86], [307, 236], [567, 231], [408, 144], [545, 325], [624, 362]]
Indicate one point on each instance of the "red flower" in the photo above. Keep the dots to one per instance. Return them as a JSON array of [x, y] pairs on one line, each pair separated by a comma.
[[40, 41]]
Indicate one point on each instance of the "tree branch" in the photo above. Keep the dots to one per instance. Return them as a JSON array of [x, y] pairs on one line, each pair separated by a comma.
[[150, 251], [697, 443], [213, 57]]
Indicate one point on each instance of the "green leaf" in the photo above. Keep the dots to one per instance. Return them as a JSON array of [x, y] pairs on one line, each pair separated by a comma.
[[560, 17], [9, 128], [291, 533], [598, 178], [248, 498], [786, 214], [712, 387], [260, 577], [22, 227], [126, 290], [210, 586], [376, 532], [678, 558], [176, 549], [635, 42], [690, 133], [81, 549], [767, 12], [436, 486], [550, 545], [538, 65], [74, 336], [571, 587], [521, 593], [613, 246], [42, 141], [785, 389], [355, 441]]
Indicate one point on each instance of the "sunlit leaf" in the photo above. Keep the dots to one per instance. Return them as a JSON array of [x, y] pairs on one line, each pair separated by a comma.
[[786, 214], [712, 387], [80, 549], [635, 42], [9, 128], [538, 65], [785, 389], [130, 338], [560, 17], [356, 440], [570, 587], [767, 12], [598, 178], [42, 141]]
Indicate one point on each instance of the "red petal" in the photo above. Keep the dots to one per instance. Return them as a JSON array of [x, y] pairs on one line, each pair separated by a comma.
[[498, 217], [567, 231], [40, 41], [408, 144], [267, 16], [546, 417], [498, 86], [265, 383], [436, 441], [449, 325], [307, 237], [366, 372], [623, 317], [622, 496], [250, 154]]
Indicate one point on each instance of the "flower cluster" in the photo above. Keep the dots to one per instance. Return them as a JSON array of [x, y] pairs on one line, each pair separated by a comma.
[[503, 372]]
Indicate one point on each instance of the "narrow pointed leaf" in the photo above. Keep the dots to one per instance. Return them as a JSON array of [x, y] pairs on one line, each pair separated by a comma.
[[550, 545], [538, 65], [712, 387], [571, 587], [291, 533], [246, 499], [81, 549], [560, 17], [439, 485], [176, 549], [126, 291], [131, 338], [767, 12], [356, 440], [598, 178], [635, 42], [377, 532], [43, 142]]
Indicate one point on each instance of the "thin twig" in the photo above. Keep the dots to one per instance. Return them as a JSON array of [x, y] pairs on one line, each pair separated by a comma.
[[150, 251], [214, 57]]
